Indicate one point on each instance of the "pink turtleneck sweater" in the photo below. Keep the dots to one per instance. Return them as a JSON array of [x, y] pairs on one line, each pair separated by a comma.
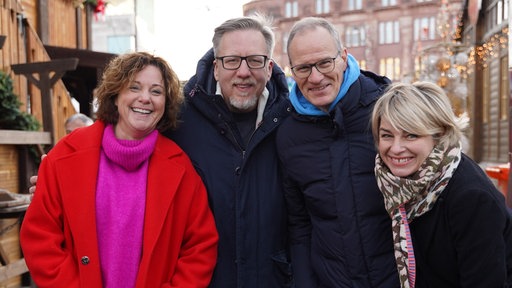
[[120, 206]]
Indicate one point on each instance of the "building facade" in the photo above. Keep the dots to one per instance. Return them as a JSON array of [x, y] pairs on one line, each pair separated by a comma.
[[485, 29], [386, 36], [464, 52]]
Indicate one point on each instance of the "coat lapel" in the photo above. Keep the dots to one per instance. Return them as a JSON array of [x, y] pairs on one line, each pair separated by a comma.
[[164, 178], [77, 172], [78, 179]]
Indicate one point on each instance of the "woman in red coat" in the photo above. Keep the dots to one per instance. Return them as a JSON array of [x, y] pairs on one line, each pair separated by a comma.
[[117, 204]]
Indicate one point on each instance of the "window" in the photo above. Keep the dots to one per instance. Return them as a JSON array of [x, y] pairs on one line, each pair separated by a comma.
[[417, 67], [389, 32], [120, 44], [322, 6], [362, 64], [291, 9], [487, 95], [355, 36], [497, 13], [355, 5], [504, 89], [425, 28], [285, 42], [505, 10], [390, 67], [385, 3]]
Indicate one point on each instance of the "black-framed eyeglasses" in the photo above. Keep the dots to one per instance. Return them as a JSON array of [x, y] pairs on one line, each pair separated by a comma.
[[323, 66], [234, 62]]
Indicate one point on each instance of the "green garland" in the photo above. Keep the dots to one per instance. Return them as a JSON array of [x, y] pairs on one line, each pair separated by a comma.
[[11, 117]]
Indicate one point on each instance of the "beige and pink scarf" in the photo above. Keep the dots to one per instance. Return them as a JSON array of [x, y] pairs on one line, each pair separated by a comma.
[[411, 197]]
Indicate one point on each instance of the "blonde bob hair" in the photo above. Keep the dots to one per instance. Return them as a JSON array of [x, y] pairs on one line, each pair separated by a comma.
[[421, 108]]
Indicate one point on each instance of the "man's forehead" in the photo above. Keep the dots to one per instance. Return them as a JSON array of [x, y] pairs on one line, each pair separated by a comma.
[[251, 43]]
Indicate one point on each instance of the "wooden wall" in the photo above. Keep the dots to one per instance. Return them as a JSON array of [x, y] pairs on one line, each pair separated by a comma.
[[20, 23], [29, 25]]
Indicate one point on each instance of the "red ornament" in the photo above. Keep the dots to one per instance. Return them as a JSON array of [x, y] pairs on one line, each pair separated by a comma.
[[100, 7]]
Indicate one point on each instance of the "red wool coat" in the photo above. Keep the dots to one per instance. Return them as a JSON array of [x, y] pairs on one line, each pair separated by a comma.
[[58, 234]]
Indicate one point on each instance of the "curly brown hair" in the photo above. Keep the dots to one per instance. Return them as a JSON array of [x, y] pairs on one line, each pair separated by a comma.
[[121, 71]]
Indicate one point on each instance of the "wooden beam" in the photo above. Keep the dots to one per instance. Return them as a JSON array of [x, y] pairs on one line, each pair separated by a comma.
[[18, 137], [16, 268], [44, 23], [47, 66], [45, 82], [87, 58]]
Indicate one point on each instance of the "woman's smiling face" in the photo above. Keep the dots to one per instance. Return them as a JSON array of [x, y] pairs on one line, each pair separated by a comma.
[[140, 104], [402, 152]]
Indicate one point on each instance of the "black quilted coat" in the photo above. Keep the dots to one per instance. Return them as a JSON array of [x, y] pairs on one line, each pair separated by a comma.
[[340, 232]]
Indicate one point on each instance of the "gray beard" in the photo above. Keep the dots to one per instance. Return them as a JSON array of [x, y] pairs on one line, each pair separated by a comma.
[[245, 105]]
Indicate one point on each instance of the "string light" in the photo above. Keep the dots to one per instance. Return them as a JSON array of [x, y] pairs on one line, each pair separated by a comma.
[[446, 63], [488, 50]]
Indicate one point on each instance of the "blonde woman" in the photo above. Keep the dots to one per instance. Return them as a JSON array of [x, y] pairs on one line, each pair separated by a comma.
[[450, 225]]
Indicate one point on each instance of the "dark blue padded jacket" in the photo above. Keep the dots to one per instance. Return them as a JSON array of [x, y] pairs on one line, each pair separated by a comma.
[[339, 230], [244, 184]]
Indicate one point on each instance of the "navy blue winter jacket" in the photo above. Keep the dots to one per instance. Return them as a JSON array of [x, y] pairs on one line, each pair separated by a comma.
[[339, 230], [244, 185], [465, 240]]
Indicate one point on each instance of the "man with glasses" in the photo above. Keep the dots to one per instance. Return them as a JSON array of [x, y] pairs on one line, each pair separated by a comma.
[[234, 104], [339, 228]]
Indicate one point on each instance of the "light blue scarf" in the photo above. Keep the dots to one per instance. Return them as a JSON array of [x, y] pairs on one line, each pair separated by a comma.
[[304, 107]]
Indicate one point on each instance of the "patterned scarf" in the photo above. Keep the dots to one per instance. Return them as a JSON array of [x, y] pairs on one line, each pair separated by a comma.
[[411, 197]]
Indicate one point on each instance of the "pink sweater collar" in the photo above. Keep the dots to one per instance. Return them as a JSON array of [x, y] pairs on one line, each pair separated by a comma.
[[129, 154]]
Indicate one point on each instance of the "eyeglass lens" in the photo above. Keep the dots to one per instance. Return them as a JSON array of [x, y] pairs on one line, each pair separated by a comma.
[[323, 66], [234, 62]]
